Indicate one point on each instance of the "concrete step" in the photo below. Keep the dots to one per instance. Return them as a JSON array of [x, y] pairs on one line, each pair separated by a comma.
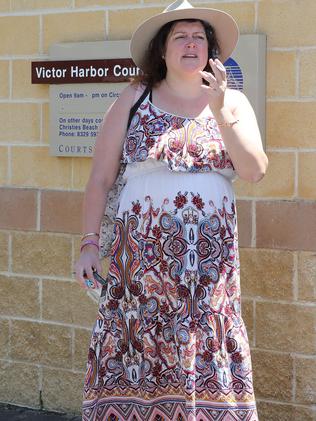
[[18, 413]]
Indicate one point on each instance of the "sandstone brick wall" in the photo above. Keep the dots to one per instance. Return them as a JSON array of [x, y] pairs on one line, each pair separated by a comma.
[[45, 319]]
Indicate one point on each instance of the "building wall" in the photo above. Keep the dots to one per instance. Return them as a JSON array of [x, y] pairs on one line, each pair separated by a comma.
[[45, 319]]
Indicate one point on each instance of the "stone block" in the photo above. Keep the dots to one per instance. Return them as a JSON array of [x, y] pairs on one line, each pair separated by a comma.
[[41, 254], [45, 123], [13, 38], [278, 181], [285, 327], [281, 73], [19, 297], [305, 371], [291, 124], [4, 251], [77, 243], [4, 175], [306, 276], [244, 216], [18, 5], [73, 27], [4, 338], [122, 23], [42, 343], [81, 172], [67, 302], [243, 12], [307, 73], [286, 225], [20, 385], [4, 77], [91, 3], [20, 122], [62, 390], [47, 171], [275, 17], [267, 273], [21, 82], [307, 175], [5, 6], [18, 208], [273, 375], [247, 312], [61, 211], [271, 411], [82, 341]]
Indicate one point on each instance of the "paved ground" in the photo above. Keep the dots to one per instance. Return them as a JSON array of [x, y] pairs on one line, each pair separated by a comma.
[[17, 413]]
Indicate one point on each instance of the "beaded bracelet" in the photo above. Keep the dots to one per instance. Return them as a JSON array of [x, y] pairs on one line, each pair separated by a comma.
[[228, 123], [93, 243], [89, 234]]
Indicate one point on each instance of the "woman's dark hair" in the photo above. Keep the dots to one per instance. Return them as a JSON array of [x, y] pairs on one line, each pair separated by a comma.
[[154, 67]]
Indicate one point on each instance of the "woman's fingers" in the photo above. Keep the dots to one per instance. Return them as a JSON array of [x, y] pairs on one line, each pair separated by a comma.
[[218, 69], [208, 77], [217, 81], [97, 266], [84, 272], [79, 273]]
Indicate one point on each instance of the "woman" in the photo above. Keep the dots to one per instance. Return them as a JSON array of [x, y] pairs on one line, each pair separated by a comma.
[[169, 342]]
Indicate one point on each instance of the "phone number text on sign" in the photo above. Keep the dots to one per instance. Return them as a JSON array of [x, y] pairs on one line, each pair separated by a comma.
[[81, 127]]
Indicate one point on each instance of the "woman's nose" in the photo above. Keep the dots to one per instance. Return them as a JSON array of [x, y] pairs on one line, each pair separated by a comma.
[[191, 43]]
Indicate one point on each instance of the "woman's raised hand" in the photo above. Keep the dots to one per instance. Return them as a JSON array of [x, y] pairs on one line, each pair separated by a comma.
[[217, 84]]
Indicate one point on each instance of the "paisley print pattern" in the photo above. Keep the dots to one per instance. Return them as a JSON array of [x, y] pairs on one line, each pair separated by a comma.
[[185, 144], [169, 343]]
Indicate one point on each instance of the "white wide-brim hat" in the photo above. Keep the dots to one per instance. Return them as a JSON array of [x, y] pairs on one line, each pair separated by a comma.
[[224, 25]]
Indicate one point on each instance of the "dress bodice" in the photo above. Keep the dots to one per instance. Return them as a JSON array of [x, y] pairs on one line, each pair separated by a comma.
[[184, 144]]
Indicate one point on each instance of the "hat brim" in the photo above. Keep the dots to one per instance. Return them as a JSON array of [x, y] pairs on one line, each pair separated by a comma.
[[224, 25]]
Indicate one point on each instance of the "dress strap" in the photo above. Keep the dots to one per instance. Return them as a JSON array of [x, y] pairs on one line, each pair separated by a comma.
[[136, 105]]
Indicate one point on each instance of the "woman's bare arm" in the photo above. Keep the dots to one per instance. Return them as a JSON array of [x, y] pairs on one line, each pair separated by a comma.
[[242, 139], [105, 166]]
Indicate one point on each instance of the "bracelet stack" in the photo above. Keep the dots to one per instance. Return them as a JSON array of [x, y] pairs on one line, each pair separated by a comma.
[[85, 242], [90, 234]]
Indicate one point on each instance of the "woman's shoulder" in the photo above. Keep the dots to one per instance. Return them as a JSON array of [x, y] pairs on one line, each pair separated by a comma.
[[235, 94], [235, 98], [128, 96], [122, 105]]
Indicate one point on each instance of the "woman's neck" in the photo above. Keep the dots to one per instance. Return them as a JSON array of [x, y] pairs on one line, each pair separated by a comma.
[[189, 88]]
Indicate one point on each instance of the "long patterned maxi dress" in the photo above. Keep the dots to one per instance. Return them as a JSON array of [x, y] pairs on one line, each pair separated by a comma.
[[169, 342]]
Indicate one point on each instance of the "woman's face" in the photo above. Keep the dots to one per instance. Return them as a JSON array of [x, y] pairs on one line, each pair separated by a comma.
[[186, 48]]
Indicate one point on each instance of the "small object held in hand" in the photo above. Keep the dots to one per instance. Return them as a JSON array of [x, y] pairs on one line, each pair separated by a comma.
[[89, 283], [99, 278]]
